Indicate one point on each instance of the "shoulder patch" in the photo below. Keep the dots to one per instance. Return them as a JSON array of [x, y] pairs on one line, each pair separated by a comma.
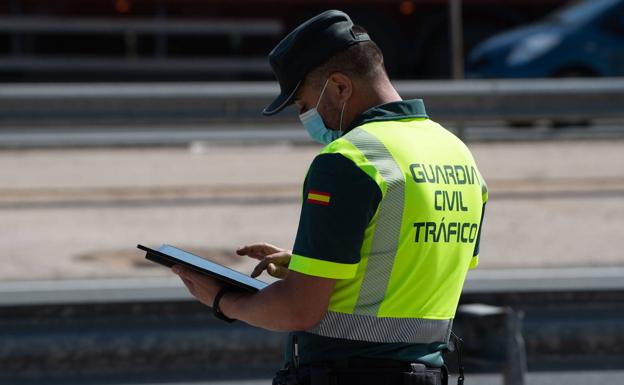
[[318, 197]]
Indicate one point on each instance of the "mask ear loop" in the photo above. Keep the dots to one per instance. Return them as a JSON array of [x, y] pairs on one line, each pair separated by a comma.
[[341, 115], [343, 105], [322, 92]]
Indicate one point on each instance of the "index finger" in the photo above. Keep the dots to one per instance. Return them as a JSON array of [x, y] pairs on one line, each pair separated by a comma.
[[257, 250], [260, 267]]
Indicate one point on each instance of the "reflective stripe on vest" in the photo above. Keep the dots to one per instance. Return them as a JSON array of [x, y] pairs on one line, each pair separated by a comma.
[[389, 219], [388, 330]]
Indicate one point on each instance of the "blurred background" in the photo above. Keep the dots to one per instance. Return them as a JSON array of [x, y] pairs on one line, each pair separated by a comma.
[[136, 121]]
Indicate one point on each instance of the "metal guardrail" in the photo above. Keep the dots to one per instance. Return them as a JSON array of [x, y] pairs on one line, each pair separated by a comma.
[[232, 31], [167, 103], [31, 25], [150, 289], [229, 65]]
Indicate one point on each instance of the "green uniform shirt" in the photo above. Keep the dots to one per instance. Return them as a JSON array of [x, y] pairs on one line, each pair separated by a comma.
[[375, 201]]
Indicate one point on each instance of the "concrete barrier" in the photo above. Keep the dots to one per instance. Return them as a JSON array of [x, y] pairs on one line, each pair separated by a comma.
[[148, 329]]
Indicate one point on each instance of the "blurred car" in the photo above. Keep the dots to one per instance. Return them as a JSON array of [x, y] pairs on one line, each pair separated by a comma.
[[583, 39]]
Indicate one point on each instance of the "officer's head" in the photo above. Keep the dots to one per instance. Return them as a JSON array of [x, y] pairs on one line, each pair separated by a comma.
[[329, 64]]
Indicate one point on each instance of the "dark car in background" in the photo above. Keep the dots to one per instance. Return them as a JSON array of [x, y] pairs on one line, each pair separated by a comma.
[[583, 39]]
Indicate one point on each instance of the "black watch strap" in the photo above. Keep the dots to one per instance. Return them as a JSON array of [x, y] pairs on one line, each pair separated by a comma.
[[216, 310]]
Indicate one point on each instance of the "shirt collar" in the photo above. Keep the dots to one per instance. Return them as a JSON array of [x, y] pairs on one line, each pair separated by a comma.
[[403, 109]]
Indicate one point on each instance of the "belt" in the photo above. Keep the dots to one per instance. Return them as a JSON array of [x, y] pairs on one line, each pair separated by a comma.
[[367, 362], [362, 371]]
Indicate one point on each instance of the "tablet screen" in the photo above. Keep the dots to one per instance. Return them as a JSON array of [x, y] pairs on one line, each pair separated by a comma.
[[212, 266]]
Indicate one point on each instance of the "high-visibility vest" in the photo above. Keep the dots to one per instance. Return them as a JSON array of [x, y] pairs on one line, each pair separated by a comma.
[[421, 241]]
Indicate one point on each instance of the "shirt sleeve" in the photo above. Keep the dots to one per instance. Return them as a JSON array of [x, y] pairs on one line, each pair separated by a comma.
[[339, 200]]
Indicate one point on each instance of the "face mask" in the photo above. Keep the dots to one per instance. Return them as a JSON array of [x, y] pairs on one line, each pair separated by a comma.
[[313, 123]]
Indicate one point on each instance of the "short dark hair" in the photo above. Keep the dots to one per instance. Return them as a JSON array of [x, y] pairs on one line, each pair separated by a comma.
[[362, 60]]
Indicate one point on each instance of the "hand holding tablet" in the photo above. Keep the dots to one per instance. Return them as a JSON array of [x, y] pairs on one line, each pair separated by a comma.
[[168, 256]]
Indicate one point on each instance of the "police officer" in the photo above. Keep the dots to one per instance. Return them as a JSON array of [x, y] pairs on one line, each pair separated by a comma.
[[389, 226]]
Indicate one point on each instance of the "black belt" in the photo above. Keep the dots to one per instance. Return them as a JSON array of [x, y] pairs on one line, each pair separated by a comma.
[[368, 362], [362, 371]]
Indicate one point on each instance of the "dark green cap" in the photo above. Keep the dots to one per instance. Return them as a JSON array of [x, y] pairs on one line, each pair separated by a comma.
[[307, 47]]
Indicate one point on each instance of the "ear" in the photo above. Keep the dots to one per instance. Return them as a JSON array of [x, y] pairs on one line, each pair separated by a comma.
[[343, 86]]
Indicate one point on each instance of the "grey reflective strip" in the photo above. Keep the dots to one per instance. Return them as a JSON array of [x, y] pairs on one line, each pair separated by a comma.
[[389, 330], [388, 229], [484, 190]]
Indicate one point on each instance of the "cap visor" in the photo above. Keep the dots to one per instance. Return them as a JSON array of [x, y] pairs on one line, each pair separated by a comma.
[[281, 102]]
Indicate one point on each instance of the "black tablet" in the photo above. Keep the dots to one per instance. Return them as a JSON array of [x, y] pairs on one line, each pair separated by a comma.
[[168, 256]]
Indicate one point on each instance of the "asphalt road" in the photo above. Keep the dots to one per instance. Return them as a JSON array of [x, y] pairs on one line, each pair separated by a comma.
[[79, 213]]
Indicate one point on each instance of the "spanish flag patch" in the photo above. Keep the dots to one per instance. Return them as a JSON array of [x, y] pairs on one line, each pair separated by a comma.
[[319, 197]]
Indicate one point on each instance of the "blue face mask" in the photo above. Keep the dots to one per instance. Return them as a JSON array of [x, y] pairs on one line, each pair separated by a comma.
[[314, 124]]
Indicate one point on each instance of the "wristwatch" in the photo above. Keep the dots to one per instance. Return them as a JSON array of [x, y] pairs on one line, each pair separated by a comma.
[[216, 310]]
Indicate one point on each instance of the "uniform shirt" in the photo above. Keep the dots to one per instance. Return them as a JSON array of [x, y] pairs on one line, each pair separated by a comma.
[[340, 200]]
